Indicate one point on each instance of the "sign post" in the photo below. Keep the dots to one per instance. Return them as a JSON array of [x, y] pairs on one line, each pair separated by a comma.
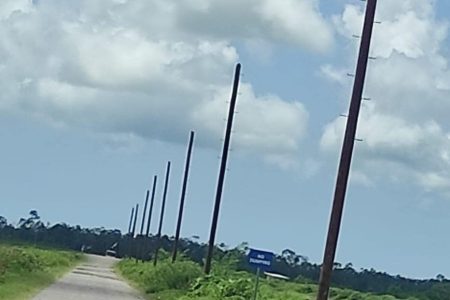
[[255, 294], [262, 260]]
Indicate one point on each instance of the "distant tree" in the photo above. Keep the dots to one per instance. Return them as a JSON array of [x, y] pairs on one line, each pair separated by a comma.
[[32, 222], [3, 222], [97, 240], [244, 246], [290, 257]]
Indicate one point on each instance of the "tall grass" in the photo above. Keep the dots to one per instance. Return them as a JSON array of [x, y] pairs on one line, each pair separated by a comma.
[[184, 281], [166, 276], [24, 269]]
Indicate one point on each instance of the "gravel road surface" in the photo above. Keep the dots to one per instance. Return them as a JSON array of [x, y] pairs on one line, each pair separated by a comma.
[[94, 279]]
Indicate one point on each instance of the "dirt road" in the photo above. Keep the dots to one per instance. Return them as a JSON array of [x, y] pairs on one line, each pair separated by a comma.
[[92, 280]]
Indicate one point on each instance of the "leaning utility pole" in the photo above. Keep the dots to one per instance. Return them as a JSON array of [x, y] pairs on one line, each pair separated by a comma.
[[152, 201], [131, 220], [132, 245], [140, 240], [183, 195], [161, 218], [223, 167], [135, 220], [346, 154], [144, 212]]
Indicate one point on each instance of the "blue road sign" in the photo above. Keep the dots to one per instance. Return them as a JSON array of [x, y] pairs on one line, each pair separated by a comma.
[[260, 259]]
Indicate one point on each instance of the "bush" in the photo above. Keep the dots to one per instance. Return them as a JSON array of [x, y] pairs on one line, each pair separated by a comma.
[[162, 277], [24, 270], [15, 259], [184, 281], [218, 287]]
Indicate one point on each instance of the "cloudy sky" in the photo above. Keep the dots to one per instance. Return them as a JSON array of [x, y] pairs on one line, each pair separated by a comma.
[[96, 96]]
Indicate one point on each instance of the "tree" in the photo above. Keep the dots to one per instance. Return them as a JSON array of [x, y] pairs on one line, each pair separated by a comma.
[[32, 222], [3, 222], [290, 257]]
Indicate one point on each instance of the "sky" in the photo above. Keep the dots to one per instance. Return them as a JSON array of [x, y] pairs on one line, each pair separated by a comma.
[[96, 97]]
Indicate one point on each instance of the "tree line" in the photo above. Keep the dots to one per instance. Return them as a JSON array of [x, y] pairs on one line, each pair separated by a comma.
[[33, 230]]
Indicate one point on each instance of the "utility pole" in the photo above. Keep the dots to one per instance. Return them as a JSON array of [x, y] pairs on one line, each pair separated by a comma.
[[135, 220], [152, 201], [131, 220], [223, 167], [132, 245], [161, 218], [144, 212], [183, 195], [140, 241], [129, 237], [346, 154]]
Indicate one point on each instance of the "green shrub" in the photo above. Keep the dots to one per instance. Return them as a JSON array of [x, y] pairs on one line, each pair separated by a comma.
[[28, 259], [25, 269], [218, 287], [164, 276], [184, 280]]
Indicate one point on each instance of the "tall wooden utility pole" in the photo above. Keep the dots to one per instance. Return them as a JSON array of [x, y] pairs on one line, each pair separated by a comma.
[[346, 154], [131, 220], [133, 231], [183, 196], [161, 218], [144, 212], [136, 210], [152, 201], [223, 167], [140, 240]]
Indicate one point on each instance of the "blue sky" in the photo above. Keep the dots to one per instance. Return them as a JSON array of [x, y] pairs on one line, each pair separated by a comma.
[[96, 97]]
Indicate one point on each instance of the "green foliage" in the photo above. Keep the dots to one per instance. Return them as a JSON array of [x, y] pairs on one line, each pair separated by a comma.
[[24, 270], [32, 229], [236, 286], [438, 292], [165, 276], [184, 281]]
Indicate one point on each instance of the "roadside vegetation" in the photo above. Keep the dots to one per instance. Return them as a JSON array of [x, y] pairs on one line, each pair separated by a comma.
[[184, 280], [304, 273], [24, 270]]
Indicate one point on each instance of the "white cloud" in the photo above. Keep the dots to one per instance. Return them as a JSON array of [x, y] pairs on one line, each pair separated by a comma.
[[275, 126], [153, 69], [334, 74], [287, 25], [8, 7], [407, 27], [290, 21], [397, 149], [405, 128]]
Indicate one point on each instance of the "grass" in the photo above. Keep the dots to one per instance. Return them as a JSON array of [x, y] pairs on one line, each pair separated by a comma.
[[184, 281], [24, 270], [165, 281]]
